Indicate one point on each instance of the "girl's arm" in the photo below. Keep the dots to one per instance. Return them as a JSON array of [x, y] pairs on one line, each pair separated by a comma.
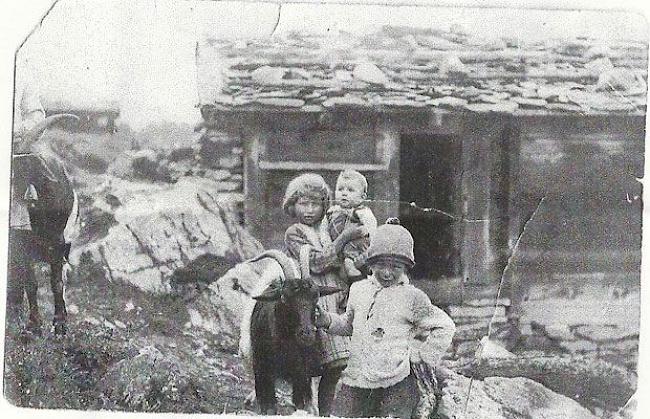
[[367, 218], [341, 324], [434, 330], [323, 260], [320, 261]]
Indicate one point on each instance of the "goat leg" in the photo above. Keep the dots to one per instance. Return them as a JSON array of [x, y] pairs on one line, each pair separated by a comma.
[[327, 390], [265, 391], [250, 399], [15, 291], [60, 312], [301, 391], [31, 289]]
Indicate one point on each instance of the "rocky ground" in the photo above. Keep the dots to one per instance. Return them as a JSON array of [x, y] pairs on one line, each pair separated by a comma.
[[155, 296], [127, 349]]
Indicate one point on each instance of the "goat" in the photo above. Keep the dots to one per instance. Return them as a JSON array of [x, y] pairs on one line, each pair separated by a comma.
[[51, 217], [283, 335]]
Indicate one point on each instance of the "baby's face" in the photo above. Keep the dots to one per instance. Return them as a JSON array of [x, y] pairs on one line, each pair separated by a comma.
[[349, 193]]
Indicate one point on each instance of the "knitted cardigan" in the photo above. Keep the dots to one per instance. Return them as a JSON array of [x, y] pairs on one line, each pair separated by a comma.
[[384, 323]]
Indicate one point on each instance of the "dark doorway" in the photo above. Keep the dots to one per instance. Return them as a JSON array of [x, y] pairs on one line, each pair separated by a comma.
[[430, 167]]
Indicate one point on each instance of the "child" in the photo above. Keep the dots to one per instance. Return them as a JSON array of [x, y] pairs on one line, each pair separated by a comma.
[[392, 324], [351, 190], [306, 200]]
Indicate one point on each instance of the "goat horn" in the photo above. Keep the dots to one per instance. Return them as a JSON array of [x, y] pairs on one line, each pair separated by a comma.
[[199, 127], [35, 133], [283, 260]]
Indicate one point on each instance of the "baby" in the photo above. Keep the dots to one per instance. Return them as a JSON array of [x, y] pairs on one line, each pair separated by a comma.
[[349, 195]]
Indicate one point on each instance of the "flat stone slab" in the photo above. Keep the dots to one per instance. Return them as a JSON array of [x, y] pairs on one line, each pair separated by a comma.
[[628, 345], [579, 346], [487, 302], [281, 102], [448, 101], [559, 332], [467, 348], [604, 333], [470, 332], [528, 102], [485, 321], [488, 311]]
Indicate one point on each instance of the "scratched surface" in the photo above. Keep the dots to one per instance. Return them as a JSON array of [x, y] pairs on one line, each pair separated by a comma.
[[515, 159]]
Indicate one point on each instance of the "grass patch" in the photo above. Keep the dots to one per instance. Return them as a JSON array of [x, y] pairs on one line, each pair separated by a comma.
[[126, 349]]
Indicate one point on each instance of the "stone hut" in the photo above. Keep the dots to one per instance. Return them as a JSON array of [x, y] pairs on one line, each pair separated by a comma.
[[463, 138]]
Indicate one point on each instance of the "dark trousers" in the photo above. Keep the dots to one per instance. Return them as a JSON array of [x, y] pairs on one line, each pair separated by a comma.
[[398, 401]]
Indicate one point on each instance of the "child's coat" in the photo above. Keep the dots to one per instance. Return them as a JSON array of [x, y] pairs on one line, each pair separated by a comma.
[[312, 248], [384, 323]]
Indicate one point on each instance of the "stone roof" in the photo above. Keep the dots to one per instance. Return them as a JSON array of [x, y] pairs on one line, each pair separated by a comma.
[[406, 68]]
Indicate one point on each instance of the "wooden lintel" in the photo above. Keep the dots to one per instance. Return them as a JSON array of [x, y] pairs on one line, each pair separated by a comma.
[[317, 166]]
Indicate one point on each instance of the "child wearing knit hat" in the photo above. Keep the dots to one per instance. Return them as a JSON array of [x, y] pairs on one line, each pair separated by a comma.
[[392, 324]]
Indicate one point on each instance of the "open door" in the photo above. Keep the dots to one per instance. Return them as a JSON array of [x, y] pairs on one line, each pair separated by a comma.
[[430, 178]]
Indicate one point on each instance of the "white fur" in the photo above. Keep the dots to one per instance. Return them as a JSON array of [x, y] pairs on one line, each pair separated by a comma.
[[271, 273], [71, 230]]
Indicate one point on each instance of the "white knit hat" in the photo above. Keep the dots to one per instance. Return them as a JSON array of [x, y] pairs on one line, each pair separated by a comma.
[[391, 239]]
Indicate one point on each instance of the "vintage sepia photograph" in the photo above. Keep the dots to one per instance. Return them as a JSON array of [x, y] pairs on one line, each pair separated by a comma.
[[326, 209]]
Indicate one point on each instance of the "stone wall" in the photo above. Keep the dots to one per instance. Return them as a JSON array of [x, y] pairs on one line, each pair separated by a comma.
[[595, 316], [223, 153]]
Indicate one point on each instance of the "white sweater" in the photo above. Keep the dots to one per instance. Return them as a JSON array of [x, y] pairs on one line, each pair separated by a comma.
[[384, 323]]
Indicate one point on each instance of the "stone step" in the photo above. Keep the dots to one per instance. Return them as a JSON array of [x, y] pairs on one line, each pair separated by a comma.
[[629, 345], [469, 335], [487, 302], [578, 346], [466, 348], [604, 333], [469, 311], [559, 332], [281, 102], [497, 321]]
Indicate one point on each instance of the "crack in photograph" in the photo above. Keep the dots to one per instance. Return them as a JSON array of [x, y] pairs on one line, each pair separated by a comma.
[[327, 209]]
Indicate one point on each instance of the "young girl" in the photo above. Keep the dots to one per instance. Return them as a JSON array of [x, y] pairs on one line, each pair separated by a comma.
[[392, 324], [307, 241]]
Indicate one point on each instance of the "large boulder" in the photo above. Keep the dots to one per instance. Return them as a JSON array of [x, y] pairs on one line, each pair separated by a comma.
[[218, 309], [595, 383], [161, 228], [507, 398]]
